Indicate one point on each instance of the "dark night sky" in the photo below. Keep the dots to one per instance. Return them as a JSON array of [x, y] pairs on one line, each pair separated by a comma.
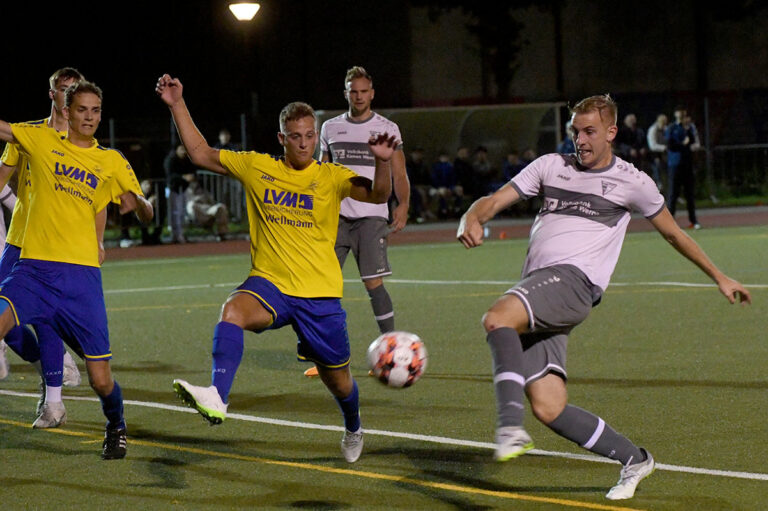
[[297, 55]]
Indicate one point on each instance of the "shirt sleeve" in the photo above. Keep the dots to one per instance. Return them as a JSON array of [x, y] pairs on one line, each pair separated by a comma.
[[646, 198], [343, 179], [528, 181], [236, 162], [11, 155], [323, 140]]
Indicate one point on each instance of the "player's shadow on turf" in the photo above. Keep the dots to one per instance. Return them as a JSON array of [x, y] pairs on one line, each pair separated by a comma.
[[200, 436], [150, 366], [432, 464]]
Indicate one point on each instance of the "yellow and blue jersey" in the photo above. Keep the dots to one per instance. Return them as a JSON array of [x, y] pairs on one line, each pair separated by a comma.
[[71, 184], [294, 217]]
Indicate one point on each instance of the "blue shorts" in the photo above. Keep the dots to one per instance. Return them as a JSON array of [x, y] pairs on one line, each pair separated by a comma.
[[320, 323], [68, 297], [10, 255]]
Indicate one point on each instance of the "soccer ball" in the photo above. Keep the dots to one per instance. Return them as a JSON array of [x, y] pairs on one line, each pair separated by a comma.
[[397, 359]]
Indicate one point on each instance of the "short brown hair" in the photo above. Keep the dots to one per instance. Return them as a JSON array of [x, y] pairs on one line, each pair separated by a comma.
[[81, 88], [65, 73], [357, 72], [295, 111], [599, 103]]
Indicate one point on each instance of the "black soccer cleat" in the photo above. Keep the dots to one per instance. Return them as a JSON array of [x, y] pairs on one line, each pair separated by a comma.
[[114, 445]]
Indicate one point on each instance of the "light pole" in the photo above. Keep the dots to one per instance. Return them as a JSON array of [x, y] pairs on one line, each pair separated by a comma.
[[245, 12]]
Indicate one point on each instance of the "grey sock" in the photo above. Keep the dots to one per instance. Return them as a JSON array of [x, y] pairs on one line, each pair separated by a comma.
[[508, 379], [593, 434], [382, 308]]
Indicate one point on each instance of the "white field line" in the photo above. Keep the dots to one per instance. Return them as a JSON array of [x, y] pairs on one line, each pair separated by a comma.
[[232, 285], [412, 436]]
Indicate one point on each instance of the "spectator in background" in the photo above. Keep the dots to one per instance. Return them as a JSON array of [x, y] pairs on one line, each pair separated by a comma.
[[153, 237], [680, 165], [445, 187], [462, 167], [528, 156], [657, 145], [566, 146], [203, 210], [512, 166], [177, 165], [420, 180], [225, 141], [482, 171], [631, 143]]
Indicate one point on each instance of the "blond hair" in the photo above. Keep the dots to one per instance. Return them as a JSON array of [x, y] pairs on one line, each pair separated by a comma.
[[603, 104]]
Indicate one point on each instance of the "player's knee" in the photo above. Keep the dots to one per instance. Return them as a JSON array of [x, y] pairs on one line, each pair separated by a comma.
[[231, 313], [101, 385], [493, 320], [547, 411]]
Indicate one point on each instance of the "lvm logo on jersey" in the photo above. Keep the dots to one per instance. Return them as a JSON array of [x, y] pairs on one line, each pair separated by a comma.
[[76, 174], [288, 199]]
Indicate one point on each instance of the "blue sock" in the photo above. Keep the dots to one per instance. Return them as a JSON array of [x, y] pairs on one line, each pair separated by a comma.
[[227, 354], [24, 343], [51, 355], [350, 408], [112, 406]]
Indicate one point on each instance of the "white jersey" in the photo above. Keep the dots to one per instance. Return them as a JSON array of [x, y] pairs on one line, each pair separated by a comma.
[[7, 199], [346, 141], [584, 213]]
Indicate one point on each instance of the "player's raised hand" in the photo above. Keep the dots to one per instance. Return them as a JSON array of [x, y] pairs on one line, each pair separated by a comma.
[[169, 89], [383, 146]]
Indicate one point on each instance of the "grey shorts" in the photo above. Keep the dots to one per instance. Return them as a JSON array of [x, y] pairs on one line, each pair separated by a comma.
[[556, 299], [367, 238], [544, 353]]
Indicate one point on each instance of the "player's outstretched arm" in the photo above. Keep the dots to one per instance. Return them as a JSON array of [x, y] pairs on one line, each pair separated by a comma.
[[5, 173], [402, 191], [129, 201], [6, 133], [470, 231], [670, 231], [200, 153], [101, 226], [382, 147]]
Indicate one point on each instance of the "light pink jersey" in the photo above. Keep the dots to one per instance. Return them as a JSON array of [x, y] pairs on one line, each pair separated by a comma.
[[346, 142], [584, 213]]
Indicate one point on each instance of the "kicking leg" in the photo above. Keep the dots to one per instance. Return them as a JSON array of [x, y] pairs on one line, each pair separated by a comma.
[[242, 311], [549, 402]]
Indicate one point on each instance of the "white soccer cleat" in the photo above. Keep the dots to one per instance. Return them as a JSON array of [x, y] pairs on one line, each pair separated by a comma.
[[41, 399], [52, 415], [5, 366], [631, 475], [352, 445], [71, 374], [511, 442], [205, 400]]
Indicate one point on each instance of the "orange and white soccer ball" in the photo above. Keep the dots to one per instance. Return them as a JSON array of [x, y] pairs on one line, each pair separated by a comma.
[[397, 359]]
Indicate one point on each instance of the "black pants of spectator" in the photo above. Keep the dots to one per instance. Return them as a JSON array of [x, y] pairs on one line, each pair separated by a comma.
[[682, 175]]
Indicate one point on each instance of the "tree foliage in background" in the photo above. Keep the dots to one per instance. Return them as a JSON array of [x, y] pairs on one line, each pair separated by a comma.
[[498, 33]]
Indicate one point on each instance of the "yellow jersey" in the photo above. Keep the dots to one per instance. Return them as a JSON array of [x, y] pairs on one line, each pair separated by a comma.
[[13, 158], [294, 218], [71, 184]]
